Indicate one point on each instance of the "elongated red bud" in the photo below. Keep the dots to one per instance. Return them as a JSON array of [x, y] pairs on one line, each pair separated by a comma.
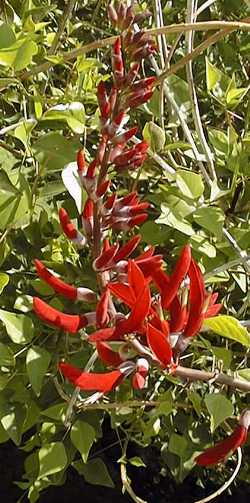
[[129, 199], [139, 99], [137, 219], [81, 164], [107, 355], [149, 265], [117, 121], [127, 249], [92, 169], [105, 258], [102, 317], [138, 381], [68, 322], [112, 14], [196, 300], [182, 266], [137, 315], [144, 83], [132, 74], [117, 63], [124, 137], [88, 209], [102, 189], [103, 100], [142, 366], [59, 286], [110, 201], [112, 98], [178, 316], [69, 229]]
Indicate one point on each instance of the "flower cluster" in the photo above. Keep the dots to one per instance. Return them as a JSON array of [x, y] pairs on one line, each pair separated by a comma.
[[143, 317]]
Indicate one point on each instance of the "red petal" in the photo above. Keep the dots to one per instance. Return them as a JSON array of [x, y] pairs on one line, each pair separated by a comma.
[[107, 355], [138, 381], [137, 316], [68, 322], [224, 448], [135, 277], [91, 381], [102, 309], [178, 316], [213, 310], [127, 249], [106, 257], [159, 344], [160, 278], [68, 291], [196, 300], [176, 278], [123, 292], [102, 335]]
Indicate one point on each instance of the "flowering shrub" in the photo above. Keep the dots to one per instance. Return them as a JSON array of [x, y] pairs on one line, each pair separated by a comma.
[[126, 333]]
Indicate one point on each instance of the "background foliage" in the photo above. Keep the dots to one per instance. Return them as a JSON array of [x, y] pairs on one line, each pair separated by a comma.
[[45, 117]]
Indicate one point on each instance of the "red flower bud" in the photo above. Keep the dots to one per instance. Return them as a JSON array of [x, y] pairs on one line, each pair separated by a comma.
[[81, 164], [102, 317], [68, 322], [103, 261], [69, 229], [126, 250], [90, 381], [101, 189], [59, 286]]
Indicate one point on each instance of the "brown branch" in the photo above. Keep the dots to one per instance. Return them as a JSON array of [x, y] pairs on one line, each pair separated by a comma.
[[69, 7], [174, 28], [223, 379]]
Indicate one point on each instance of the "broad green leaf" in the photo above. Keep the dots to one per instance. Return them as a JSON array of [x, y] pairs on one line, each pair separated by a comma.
[[52, 459], [95, 472], [37, 362], [54, 151], [7, 36], [219, 408], [196, 400], [56, 412], [18, 55], [72, 113], [19, 327], [14, 201], [4, 280], [210, 218], [228, 327], [169, 218], [154, 135], [213, 75], [23, 131], [12, 416], [178, 445], [7, 358], [82, 436], [244, 373], [190, 184]]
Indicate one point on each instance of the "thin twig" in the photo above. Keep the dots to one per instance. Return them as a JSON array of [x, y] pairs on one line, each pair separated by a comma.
[[69, 7], [174, 28], [227, 484], [124, 477], [203, 7], [193, 96], [10, 149]]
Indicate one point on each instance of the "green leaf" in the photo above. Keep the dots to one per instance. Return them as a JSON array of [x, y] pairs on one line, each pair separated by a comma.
[[244, 373], [196, 400], [213, 75], [178, 445], [7, 358], [54, 150], [72, 113], [155, 136], [190, 184], [14, 201], [4, 280], [168, 217], [82, 436], [219, 408], [37, 362], [19, 327], [12, 418], [7, 36], [228, 327], [95, 472], [136, 461], [210, 218], [19, 55], [52, 459]]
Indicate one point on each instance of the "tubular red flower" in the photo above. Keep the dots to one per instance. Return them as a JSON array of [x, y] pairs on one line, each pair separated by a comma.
[[178, 315], [102, 188], [137, 315], [123, 292], [102, 309], [103, 100], [223, 449], [124, 137], [105, 258], [172, 286], [107, 355], [104, 334], [59, 286], [159, 344], [69, 229], [68, 322], [90, 381], [126, 250], [196, 300]]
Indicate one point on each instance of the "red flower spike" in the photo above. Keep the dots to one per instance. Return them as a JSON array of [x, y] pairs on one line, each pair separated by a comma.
[[196, 300], [107, 355], [182, 266], [159, 344], [102, 309], [90, 381], [81, 164], [105, 334], [126, 250], [59, 286], [105, 258], [68, 322], [124, 292], [223, 449]]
